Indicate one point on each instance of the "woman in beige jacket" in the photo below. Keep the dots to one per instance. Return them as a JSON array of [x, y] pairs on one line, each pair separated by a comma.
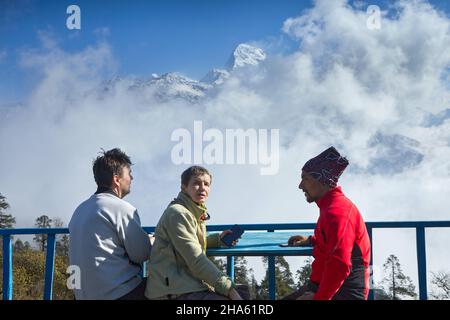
[[178, 266]]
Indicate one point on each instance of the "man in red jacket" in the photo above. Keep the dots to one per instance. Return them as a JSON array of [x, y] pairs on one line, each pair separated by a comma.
[[340, 270]]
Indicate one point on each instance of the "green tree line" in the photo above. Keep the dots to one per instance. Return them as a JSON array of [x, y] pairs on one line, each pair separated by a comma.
[[29, 262]]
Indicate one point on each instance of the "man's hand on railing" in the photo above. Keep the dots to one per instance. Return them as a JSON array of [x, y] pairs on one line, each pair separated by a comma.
[[299, 241]]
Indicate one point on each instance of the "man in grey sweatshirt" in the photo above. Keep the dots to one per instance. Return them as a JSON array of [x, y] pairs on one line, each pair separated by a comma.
[[107, 242]]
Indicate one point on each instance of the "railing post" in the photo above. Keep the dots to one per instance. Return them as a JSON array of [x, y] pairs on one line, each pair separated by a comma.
[[272, 280], [143, 272], [230, 267], [7, 267], [421, 263], [371, 286], [49, 267]]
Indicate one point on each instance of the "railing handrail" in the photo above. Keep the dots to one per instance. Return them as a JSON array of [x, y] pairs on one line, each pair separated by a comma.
[[14, 231], [420, 227], [254, 227]]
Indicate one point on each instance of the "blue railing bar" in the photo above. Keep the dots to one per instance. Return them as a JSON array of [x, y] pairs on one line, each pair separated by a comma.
[[250, 227], [272, 287], [371, 286], [7, 268], [264, 227], [34, 231], [409, 224], [230, 267], [305, 226], [49, 267], [149, 229], [421, 263], [254, 227]]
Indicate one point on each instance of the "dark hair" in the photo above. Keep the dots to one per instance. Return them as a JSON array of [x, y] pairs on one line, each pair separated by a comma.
[[193, 171], [109, 163]]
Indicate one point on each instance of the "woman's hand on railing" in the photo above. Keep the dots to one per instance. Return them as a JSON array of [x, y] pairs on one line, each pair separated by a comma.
[[224, 233]]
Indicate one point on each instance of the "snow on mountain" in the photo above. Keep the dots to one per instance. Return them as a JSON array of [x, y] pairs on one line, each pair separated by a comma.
[[174, 85], [111, 85], [215, 77], [245, 55], [168, 86]]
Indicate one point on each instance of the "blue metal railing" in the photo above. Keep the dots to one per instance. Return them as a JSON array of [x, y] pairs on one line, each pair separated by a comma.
[[419, 226], [271, 259]]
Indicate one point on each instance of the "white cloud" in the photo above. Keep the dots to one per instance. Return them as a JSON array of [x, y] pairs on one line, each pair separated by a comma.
[[342, 86], [102, 32]]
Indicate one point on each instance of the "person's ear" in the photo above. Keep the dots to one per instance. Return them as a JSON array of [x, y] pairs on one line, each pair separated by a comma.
[[325, 188], [115, 181], [183, 188]]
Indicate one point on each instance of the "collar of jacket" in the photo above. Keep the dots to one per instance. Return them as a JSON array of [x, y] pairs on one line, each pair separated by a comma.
[[324, 202], [105, 190], [198, 210]]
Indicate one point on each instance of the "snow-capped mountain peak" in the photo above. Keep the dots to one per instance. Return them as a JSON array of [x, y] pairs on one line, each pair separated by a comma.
[[176, 85], [245, 55], [216, 77], [173, 85]]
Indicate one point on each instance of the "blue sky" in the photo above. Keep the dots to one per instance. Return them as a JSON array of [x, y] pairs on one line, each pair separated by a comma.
[[146, 37], [188, 36]]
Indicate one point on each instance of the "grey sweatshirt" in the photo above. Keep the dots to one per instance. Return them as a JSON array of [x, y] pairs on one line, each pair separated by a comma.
[[107, 243]]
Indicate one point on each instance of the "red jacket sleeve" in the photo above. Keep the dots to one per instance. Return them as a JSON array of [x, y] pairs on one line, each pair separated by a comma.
[[340, 235]]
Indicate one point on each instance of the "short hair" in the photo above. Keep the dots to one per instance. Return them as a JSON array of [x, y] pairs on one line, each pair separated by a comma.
[[193, 171], [109, 163]]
